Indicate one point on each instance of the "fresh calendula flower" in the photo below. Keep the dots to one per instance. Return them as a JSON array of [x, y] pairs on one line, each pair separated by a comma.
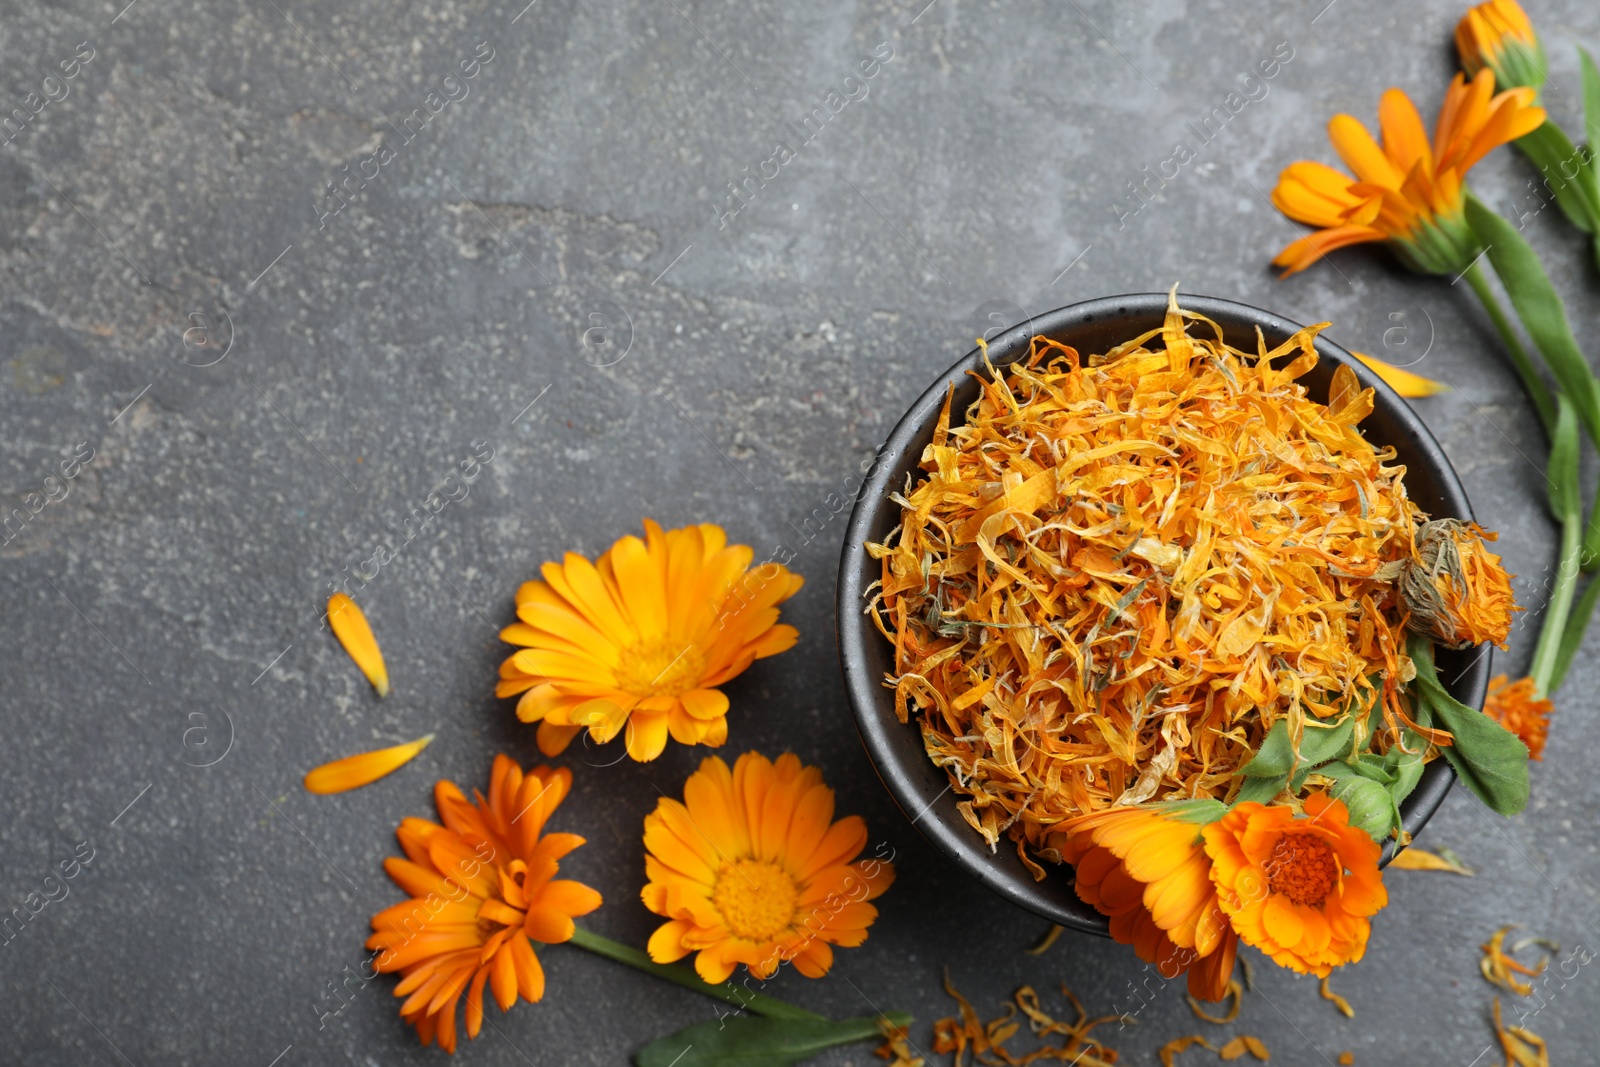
[[751, 868], [1407, 383], [1300, 889], [1455, 588], [1499, 35], [1146, 869], [353, 772], [350, 627], [1406, 192], [641, 638], [1518, 707], [482, 888]]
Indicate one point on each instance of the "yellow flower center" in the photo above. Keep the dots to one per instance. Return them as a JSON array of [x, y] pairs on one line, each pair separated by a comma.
[[1303, 868], [755, 899], [665, 666]]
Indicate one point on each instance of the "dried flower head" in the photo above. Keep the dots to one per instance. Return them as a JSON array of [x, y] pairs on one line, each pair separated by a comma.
[[1455, 588]]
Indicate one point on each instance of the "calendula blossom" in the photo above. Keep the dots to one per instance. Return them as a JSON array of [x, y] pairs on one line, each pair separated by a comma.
[[1300, 889], [640, 639], [1146, 869], [1407, 192], [751, 868], [1500, 36], [482, 889]]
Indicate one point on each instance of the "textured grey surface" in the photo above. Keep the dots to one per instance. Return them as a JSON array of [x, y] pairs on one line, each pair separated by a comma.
[[759, 363]]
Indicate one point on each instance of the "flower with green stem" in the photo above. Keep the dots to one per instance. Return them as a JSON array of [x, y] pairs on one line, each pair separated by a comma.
[[1499, 36], [1411, 195]]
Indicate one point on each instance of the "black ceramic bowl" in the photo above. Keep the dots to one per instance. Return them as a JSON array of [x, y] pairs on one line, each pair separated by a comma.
[[922, 790]]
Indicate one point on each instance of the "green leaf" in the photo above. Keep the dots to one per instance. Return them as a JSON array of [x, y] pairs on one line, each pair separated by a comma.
[[1275, 757], [1566, 499], [1318, 744], [1199, 812], [1561, 163], [1261, 790], [1369, 803], [1591, 103], [1540, 309], [1375, 767], [1407, 767], [1488, 758], [752, 1041]]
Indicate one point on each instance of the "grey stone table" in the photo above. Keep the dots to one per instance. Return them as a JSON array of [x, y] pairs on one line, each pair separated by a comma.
[[268, 279]]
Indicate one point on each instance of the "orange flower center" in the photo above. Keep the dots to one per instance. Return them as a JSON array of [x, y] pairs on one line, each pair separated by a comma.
[[755, 899], [664, 666], [1303, 868]]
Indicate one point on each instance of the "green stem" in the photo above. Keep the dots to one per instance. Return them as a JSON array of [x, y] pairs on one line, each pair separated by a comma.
[[1546, 654], [1589, 557], [1538, 392], [742, 998], [1572, 637]]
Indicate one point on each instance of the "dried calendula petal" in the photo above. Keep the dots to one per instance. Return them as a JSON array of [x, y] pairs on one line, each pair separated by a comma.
[[353, 772], [896, 1047], [1242, 1044], [1420, 859], [987, 1040], [1501, 970], [1235, 991], [1045, 942], [1346, 1058], [1523, 1047], [1339, 1002], [350, 627], [1169, 1051]]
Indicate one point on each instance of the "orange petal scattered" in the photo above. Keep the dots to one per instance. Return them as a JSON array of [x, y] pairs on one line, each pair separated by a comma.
[[1402, 381], [1170, 1051], [987, 1040], [1327, 993], [1242, 1044], [353, 772], [1413, 858], [1523, 1047], [350, 627]]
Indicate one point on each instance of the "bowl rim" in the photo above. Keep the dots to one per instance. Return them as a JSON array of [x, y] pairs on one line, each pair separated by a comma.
[[933, 812]]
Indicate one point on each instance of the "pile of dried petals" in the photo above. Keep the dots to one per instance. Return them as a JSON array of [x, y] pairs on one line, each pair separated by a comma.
[[987, 1041], [1163, 582]]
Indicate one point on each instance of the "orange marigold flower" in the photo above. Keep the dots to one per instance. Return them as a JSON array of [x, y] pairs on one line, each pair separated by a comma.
[[1300, 889], [1500, 36], [1518, 707], [483, 888], [642, 637], [1408, 193], [750, 868], [1146, 869], [1455, 588]]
